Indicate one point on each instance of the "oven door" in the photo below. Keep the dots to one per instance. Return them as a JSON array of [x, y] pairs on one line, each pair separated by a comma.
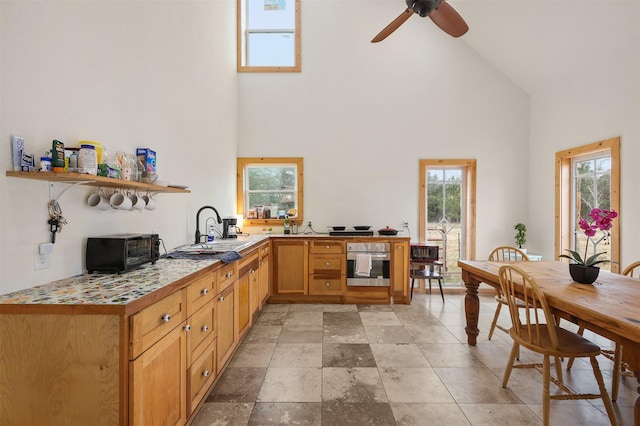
[[378, 275]]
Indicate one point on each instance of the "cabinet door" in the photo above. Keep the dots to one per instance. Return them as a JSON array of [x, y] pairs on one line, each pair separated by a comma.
[[264, 275], [291, 266], [243, 303], [254, 294], [225, 341], [399, 269], [158, 382]]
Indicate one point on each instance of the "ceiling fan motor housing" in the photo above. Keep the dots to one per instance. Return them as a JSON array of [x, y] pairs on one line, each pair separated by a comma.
[[423, 7]]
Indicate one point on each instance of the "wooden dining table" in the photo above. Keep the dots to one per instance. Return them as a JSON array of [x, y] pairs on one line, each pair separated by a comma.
[[610, 307]]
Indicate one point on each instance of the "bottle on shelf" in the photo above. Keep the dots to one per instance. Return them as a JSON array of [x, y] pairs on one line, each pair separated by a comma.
[[287, 229]]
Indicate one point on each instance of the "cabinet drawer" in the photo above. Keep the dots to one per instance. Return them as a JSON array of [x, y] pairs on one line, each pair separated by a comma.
[[328, 263], [201, 375], [201, 331], [155, 321], [227, 275], [201, 291], [327, 246], [319, 285], [264, 251]]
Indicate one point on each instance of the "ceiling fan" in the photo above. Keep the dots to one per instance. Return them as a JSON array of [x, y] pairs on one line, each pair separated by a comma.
[[440, 12]]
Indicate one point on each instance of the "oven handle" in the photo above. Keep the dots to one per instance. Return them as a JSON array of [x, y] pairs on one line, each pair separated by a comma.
[[374, 256]]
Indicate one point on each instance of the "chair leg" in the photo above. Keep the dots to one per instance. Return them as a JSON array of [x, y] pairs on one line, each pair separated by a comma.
[[413, 280], [546, 380], [429, 285], [507, 372], [441, 292], [617, 366], [495, 320], [559, 369], [603, 390], [570, 362]]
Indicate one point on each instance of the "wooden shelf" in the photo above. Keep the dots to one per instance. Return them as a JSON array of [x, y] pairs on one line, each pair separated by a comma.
[[91, 180]]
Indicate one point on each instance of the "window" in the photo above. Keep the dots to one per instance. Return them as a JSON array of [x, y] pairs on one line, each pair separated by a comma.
[[588, 177], [447, 211], [268, 35], [269, 189]]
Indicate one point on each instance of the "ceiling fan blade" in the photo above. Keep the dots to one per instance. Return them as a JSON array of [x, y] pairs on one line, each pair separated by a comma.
[[386, 32], [449, 21]]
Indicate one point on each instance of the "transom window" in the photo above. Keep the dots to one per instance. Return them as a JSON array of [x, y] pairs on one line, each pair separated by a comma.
[[268, 35], [270, 189]]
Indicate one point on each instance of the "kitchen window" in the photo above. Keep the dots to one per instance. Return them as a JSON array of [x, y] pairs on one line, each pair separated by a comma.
[[587, 177], [270, 189], [268, 33]]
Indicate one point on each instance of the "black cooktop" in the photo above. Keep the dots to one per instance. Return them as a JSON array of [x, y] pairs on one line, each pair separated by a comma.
[[351, 233]]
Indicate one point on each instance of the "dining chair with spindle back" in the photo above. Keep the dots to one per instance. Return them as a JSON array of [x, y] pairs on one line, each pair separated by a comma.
[[620, 367], [538, 331], [424, 264], [503, 254]]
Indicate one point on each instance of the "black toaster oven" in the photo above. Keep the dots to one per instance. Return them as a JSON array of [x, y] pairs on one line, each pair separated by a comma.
[[121, 252]]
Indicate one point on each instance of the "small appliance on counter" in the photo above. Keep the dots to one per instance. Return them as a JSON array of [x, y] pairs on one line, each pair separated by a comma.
[[121, 252], [229, 227]]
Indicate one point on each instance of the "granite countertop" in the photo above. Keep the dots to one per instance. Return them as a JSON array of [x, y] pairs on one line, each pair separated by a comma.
[[121, 289]]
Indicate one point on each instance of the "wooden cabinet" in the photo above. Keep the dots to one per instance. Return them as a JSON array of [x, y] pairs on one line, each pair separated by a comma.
[[157, 381], [327, 268], [400, 271], [264, 274], [147, 362], [290, 274], [226, 339]]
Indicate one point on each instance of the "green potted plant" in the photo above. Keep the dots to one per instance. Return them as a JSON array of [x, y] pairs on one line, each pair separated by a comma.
[[521, 234]]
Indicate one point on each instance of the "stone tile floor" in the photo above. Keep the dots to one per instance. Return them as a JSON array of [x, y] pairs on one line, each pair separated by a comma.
[[392, 365]]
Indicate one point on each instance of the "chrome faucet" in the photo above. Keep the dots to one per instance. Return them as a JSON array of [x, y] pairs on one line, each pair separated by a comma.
[[198, 235]]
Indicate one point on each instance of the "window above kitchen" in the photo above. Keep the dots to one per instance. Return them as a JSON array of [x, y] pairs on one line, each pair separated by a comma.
[[269, 190], [268, 34]]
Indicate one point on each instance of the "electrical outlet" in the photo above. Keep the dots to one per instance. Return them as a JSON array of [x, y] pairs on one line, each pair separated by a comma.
[[40, 261], [405, 223], [309, 224]]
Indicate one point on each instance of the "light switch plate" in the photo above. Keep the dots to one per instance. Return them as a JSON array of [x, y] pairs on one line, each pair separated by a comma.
[[40, 261]]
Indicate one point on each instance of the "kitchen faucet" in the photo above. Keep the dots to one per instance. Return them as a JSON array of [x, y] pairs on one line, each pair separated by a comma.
[[198, 220]]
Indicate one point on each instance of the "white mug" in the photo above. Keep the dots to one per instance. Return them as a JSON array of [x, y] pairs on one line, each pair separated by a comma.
[[137, 202], [150, 202], [98, 200], [120, 201]]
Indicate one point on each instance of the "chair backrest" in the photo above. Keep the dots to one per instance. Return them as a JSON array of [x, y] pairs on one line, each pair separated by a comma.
[[424, 253], [507, 254], [632, 270], [536, 325]]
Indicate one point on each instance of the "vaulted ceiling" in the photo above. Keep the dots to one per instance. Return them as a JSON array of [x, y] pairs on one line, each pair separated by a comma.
[[539, 43]]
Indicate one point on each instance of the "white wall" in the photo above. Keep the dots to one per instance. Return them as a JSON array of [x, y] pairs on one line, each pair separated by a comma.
[[362, 115], [597, 102], [127, 74]]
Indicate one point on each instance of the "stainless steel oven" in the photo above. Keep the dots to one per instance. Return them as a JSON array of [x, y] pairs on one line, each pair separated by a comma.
[[368, 264]]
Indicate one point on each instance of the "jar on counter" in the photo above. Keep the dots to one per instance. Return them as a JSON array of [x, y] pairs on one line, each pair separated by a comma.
[[266, 212]]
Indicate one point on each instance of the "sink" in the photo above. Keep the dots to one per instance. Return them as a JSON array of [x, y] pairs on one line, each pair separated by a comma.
[[214, 247]]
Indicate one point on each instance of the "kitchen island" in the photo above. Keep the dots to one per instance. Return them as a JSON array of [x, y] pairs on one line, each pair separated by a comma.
[[144, 347]]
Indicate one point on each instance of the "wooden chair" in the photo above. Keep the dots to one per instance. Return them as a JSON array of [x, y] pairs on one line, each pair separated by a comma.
[[620, 368], [424, 265], [538, 331], [504, 254]]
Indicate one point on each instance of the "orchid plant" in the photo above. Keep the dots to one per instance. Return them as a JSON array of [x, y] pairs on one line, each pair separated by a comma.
[[600, 220]]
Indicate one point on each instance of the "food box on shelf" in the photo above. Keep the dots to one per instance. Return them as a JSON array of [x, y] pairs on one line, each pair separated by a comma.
[[148, 158]]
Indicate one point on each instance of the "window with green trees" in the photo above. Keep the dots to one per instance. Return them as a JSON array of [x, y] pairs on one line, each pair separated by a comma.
[[269, 189]]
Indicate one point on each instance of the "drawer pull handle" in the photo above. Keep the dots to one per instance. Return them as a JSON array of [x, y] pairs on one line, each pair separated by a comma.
[[166, 318], [205, 328], [221, 298], [204, 291], [327, 247], [187, 327], [328, 264], [261, 263], [327, 285], [205, 373], [228, 275]]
